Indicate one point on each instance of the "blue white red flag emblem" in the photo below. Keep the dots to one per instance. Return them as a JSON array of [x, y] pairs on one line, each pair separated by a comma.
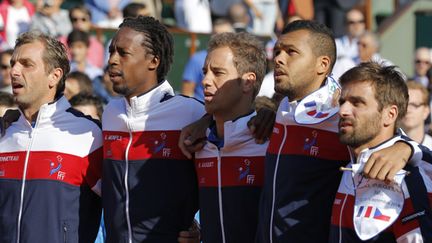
[[377, 204], [366, 212], [319, 105]]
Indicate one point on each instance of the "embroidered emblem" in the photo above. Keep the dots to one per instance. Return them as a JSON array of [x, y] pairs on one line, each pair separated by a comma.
[[310, 144], [55, 166], [160, 143], [244, 172]]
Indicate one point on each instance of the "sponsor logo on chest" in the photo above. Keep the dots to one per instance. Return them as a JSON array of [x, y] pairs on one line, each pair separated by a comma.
[[9, 158]]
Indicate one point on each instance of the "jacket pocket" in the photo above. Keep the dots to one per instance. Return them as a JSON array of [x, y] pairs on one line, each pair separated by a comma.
[[65, 232], [69, 232]]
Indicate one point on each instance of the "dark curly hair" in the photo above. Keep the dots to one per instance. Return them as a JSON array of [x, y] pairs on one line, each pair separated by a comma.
[[158, 41]]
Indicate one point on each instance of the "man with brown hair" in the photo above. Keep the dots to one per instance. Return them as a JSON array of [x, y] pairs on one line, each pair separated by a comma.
[[373, 101], [230, 168], [304, 155], [417, 112], [50, 155]]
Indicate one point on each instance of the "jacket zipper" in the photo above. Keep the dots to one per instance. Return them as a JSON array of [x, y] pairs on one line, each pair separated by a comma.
[[126, 185], [32, 137], [220, 197], [274, 184], [64, 232]]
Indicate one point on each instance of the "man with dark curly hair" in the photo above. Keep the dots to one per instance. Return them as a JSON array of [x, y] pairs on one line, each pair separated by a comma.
[[149, 191]]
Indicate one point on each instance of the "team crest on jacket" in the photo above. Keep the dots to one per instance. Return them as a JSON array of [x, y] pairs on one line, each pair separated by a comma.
[[244, 172], [55, 167], [310, 144], [160, 145], [319, 105], [377, 204]]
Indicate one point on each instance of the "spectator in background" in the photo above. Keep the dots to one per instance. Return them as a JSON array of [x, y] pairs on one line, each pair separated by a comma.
[[15, 19], [154, 7], [267, 86], [78, 43], [368, 48], [193, 75], [265, 14], [193, 15], [7, 101], [347, 45], [135, 9], [80, 18], [355, 26], [77, 82], [332, 13], [51, 19], [106, 13], [239, 17], [88, 104], [422, 64], [5, 68], [220, 8], [417, 112], [106, 91]]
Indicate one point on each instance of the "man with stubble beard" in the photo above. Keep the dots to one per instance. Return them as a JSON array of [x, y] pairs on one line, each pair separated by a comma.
[[149, 187], [304, 155]]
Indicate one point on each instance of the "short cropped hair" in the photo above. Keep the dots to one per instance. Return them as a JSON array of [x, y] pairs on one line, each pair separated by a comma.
[[54, 55], [84, 82], [321, 40], [82, 99], [78, 35], [249, 53], [388, 83], [131, 10]]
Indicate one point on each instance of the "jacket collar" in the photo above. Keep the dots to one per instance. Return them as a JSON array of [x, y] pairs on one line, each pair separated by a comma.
[[235, 131], [146, 101], [48, 110]]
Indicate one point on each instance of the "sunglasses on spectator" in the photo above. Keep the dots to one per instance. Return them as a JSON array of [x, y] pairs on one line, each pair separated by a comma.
[[418, 61], [80, 19], [4, 67], [352, 22]]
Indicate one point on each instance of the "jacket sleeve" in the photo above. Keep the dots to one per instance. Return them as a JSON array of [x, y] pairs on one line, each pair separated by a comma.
[[419, 152], [92, 170]]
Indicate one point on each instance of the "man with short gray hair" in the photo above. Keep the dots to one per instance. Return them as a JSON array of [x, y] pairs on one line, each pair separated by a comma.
[[50, 154]]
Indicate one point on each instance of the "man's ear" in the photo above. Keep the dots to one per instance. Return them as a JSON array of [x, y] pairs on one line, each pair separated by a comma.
[[323, 65], [426, 112], [248, 81], [154, 64], [390, 115], [54, 77]]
